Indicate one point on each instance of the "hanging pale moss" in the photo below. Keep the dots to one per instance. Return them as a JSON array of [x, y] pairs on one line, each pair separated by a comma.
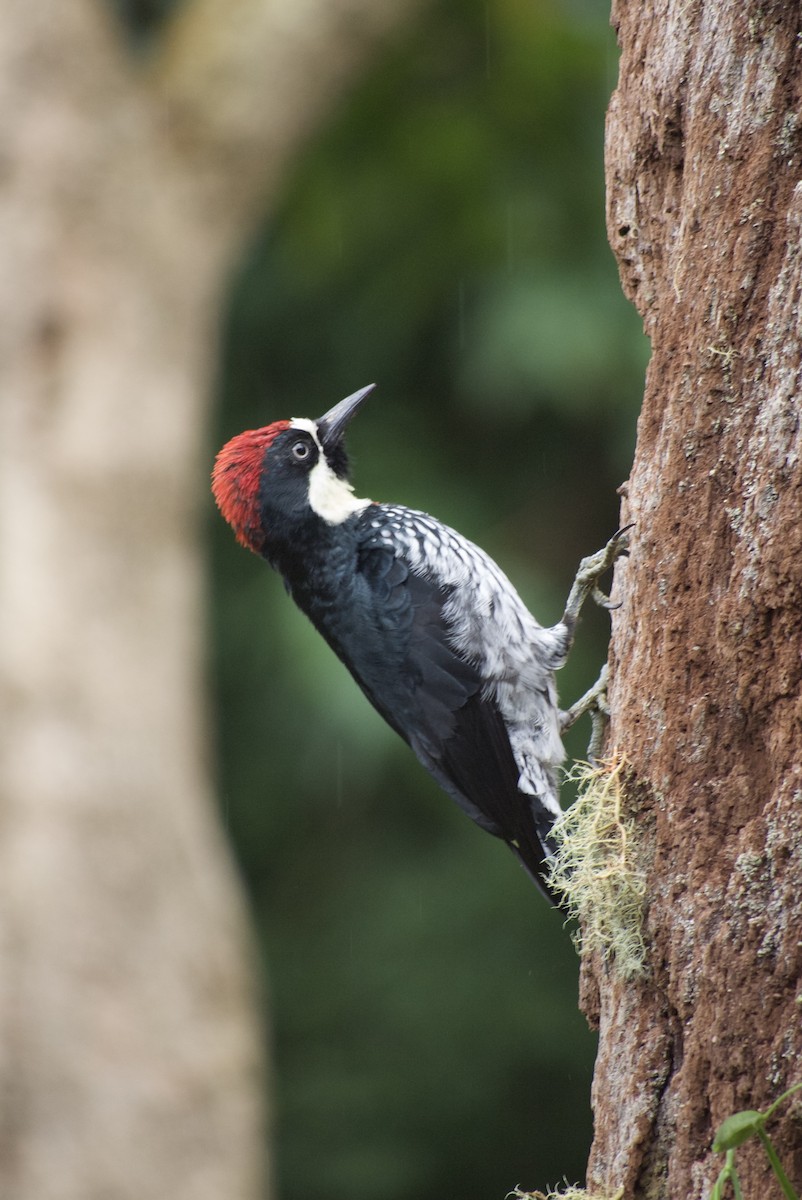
[[569, 1193], [594, 869]]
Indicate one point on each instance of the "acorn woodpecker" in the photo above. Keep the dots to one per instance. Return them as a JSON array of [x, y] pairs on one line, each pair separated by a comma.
[[428, 625]]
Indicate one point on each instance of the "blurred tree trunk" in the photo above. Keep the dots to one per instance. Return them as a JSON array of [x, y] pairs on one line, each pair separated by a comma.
[[705, 216], [129, 1050]]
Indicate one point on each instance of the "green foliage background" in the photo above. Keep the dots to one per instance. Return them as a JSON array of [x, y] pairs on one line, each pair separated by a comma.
[[444, 236]]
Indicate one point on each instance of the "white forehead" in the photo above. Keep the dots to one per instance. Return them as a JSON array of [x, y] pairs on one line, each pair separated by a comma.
[[308, 426]]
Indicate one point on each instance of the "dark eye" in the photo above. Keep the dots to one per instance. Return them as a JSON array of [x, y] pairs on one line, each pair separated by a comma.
[[301, 451]]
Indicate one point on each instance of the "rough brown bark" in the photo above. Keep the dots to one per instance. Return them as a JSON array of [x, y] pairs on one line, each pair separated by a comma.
[[129, 1049], [705, 217]]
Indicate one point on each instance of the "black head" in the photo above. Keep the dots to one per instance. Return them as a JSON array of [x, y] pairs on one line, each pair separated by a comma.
[[268, 478]]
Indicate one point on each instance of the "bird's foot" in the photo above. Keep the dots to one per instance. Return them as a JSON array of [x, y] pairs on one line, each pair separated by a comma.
[[590, 572], [594, 701]]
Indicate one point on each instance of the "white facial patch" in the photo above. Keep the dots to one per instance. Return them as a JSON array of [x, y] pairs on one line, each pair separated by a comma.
[[331, 498]]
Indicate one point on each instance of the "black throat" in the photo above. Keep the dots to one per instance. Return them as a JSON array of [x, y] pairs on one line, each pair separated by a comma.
[[316, 559]]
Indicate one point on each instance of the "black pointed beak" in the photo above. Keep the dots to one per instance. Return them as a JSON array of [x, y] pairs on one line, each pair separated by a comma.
[[332, 425]]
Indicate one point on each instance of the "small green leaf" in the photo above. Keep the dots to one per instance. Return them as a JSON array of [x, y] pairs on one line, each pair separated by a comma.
[[736, 1129]]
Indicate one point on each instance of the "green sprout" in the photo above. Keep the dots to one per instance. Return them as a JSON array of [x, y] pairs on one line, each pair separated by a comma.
[[736, 1130]]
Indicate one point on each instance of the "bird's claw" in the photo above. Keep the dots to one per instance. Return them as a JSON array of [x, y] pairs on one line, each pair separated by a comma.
[[594, 566], [594, 701], [591, 570], [587, 584], [603, 600]]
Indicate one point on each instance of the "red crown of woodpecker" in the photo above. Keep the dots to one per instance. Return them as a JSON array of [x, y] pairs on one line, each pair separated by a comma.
[[236, 479]]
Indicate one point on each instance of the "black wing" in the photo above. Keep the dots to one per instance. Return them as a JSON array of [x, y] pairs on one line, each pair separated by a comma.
[[403, 660]]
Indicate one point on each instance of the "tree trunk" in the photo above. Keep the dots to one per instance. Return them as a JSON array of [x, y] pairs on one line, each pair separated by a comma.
[[705, 217], [129, 1050]]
